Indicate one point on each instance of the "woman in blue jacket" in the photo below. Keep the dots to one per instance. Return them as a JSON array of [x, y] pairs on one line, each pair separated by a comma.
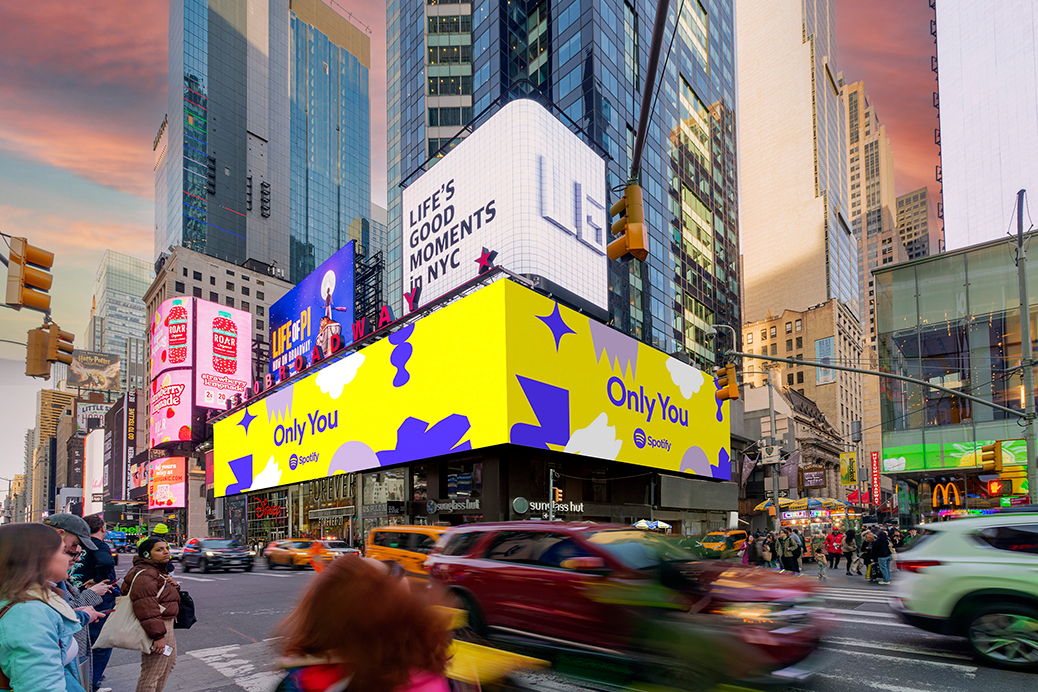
[[37, 648]]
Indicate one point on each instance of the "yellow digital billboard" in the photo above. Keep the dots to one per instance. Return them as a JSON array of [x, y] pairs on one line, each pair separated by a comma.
[[503, 365]]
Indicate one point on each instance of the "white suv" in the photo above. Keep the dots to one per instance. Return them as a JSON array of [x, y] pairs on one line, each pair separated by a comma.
[[977, 578]]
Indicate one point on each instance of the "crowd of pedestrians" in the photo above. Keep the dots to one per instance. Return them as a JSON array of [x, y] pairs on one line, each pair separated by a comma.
[[872, 553]]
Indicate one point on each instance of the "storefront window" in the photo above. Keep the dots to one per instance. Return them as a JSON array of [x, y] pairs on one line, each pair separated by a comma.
[[420, 483], [464, 479], [384, 500], [267, 517]]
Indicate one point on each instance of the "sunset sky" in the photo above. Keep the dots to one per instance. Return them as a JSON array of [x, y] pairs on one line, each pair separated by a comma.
[[83, 90]]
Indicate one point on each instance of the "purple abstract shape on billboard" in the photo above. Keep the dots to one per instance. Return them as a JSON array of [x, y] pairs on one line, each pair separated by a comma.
[[352, 456], [619, 348], [557, 325], [415, 439], [279, 403], [550, 405], [401, 354], [242, 470]]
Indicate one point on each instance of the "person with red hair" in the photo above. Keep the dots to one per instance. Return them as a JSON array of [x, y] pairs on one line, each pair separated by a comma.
[[361, 628]]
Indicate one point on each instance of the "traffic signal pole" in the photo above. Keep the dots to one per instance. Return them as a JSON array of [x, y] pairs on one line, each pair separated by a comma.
[[1028, 361], [662, 6], [774, 467]]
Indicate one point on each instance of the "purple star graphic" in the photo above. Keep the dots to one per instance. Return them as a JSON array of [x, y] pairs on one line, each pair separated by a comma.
[[557, 326], [246, 420], [486, 260]]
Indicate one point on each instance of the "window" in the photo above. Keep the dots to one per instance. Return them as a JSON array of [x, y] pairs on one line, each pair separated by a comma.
[[789, 344], [196, 291], [212, 280], [764, 335], [259, 295], [1017, 539], [229, 302], [460, 543], [774, 349], [259, 309], [789, 327], [789, 379], [214, 297], [800, 377], [197, 276], [244, 278], [773, 332], [259, 325], [230, 286], [178, 286], [749, 350], [800, 342], [749, 337], [800, 325], [245, 305], [185, 271], [800, 356], [245, 290], [230, 273], [537, 548]]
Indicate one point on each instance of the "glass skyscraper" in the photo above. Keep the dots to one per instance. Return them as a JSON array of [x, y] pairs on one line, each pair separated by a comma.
[[264, 151], [449, 60], [118, 318]]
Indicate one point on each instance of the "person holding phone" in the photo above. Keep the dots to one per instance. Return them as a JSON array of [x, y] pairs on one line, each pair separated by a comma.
[[156, 601], [95, 569]]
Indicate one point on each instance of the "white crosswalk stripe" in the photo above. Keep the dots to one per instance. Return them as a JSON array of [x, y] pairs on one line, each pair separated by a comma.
[[866, 595]]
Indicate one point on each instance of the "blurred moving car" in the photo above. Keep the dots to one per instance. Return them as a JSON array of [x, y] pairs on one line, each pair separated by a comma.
[[723, 543], [114, 551], [635, 597], [175, 552], [408, 546], [977, 578], [208, 554], [333, 549], [290, 552]]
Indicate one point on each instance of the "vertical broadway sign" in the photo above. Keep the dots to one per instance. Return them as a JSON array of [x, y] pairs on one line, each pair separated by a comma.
[[875, 479]]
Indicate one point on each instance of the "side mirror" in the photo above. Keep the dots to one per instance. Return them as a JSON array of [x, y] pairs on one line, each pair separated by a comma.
[[591, 564]]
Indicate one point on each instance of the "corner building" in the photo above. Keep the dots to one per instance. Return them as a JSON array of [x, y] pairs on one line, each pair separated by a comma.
[[449, 61]]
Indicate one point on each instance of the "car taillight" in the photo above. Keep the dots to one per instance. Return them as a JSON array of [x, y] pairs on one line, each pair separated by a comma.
[[916, 566]]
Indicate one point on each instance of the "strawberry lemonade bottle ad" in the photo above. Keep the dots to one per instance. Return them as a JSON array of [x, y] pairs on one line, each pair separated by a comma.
[[176, 330], [225, 344]]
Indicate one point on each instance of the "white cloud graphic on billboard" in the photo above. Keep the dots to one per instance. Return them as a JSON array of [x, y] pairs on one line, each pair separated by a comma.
[[268, 477], [596, 440], [333, 379], [688, 379]]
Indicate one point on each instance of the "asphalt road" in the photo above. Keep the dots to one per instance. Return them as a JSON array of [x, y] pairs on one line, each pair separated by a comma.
[[232, 647]]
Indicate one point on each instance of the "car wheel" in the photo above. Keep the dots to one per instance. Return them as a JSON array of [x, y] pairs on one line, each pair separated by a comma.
[[249, 568], [270, 563], [185, 565], [299, 566], [205, 567], [466, 602], [1005, 635]]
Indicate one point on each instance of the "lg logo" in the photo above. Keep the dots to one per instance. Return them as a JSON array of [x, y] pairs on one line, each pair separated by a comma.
[[588, 213], [639, 438]]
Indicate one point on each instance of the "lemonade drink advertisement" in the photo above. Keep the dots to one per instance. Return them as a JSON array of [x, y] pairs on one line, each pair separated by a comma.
[[223, 365], [166, 487], [170, 335]]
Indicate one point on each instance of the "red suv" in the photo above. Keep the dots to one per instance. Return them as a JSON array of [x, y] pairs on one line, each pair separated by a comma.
[[621, 592]]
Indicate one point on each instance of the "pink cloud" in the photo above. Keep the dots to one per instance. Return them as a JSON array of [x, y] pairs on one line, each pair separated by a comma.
[[887, 44], [76, 241]]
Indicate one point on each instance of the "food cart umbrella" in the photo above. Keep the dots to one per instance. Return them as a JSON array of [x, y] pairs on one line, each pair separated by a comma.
[[806, 503], [642, 524], [835, 504], [767, 504], [660, 525]]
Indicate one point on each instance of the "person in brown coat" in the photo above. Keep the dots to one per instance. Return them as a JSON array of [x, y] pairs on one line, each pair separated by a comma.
[[156, 602]]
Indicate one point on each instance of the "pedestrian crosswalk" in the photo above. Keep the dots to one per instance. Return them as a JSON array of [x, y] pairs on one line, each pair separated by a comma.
[[859, 594]]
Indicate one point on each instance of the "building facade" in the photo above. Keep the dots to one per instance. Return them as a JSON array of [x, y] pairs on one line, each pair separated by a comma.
[[828, 331], [117, 319], [448, 62], [952, 319], [917, 224], [798, 245], [986, 152], [264, 150]]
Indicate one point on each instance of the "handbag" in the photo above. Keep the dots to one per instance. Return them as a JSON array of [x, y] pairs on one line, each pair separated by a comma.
[[122, 629], [186, 613], [767, 555]]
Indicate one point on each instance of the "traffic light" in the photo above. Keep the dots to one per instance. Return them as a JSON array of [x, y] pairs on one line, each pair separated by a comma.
[[36, 364], [27, 284], [630, 226], [999, 487], [59, 345], [727, 384], [558, 494], [991, 457]]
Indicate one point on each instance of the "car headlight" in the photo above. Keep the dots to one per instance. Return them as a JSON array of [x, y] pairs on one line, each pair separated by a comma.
[[210, 553], [749, 612]]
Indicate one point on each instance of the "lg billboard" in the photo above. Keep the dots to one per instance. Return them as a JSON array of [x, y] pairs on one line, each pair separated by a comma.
[[523, 186]]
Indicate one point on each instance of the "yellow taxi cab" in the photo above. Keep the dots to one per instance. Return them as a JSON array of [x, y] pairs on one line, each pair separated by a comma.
[[716, 543], [407, 546], [290, 552]]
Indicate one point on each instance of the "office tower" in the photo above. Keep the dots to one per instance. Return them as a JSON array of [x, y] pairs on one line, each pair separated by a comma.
[[118, 322], [264, 151], [797, 243], [50, 406], [917, 224], [987, 61], [447, 61], [872, 197]]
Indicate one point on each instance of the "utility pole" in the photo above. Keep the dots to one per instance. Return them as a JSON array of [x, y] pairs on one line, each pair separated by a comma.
[[774, 467], [1028, 360], [551, 494]]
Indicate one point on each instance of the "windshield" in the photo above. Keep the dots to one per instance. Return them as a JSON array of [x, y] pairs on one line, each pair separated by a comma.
[[713, 538], [638, 549], [336, 545], [222, 543], [299, 545]]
